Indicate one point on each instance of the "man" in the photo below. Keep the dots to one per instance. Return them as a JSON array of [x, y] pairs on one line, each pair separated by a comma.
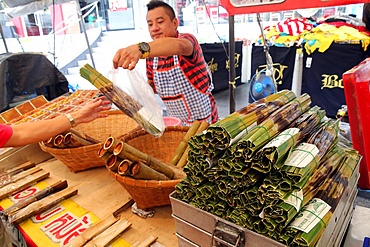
[[175, 67], [31, 132]]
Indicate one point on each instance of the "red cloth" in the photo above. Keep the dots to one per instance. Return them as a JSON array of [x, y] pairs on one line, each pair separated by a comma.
[[293, 26], [5, 134]]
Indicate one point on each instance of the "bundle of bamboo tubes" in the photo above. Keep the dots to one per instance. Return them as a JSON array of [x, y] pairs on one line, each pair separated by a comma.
[[124, 101], [264, 179]]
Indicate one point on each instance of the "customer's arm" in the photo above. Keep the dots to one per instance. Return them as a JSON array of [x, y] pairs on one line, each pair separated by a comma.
[[30, 132]]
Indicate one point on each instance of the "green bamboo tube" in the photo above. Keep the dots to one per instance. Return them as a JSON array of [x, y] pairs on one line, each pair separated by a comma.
[[184, 157], [113, 162], [184, 143], [72, 140], [110, 143], [139, 170], [126, 151], [58, 141], [124, 167], [103, 154]]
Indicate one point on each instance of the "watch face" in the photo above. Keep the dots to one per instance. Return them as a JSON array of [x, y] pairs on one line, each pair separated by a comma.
[[144, 47]]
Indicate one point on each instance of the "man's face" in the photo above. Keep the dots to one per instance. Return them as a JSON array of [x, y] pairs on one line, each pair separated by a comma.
[[160, 24]]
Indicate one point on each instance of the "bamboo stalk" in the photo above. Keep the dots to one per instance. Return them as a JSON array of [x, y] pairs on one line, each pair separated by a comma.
[[124, 167], [23, 183], [104, 154], [41, 205], [58, 186], [184, 143], [126, 151], [139, 170], [113, 162], [24, 166], [184, 157], [19, 176], [72, 140], [110, 143], [58, 141]]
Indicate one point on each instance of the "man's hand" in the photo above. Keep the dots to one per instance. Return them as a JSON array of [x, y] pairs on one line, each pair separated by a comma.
[[92, 110], [127, 58]]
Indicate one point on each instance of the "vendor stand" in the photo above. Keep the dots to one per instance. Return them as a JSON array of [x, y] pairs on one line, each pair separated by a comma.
[[101, 200]]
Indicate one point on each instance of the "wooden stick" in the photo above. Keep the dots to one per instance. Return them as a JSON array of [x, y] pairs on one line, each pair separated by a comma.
[[19, 176], [126, 151], [147, 242], [110, 234], [23, 183], [26, 165], [58, 186], [184, 143], [41, 205]]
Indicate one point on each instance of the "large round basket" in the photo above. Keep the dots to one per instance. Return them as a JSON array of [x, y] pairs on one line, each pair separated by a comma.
[[82, 158], [152, 193]]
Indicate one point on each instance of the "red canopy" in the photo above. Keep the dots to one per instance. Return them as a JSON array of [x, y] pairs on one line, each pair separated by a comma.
[[235, 7]]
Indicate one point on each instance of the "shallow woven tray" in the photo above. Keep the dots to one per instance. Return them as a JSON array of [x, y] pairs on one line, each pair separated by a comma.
[[78, 159], [152, 193]]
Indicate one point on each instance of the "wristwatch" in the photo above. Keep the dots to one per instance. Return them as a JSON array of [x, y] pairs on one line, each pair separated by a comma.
[[145, 49]]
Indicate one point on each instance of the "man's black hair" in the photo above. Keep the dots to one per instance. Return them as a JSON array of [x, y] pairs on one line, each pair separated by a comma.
[[366, 15], [157, 3]]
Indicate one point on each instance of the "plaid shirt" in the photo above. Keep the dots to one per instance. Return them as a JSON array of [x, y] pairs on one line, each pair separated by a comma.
[[194, 67]]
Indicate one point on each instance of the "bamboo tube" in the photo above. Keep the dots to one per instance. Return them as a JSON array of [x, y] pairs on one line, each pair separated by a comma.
[[184, 157], [113, 162], [49, 142], [58, 141], [125, 151], [110, 143], [20, 175], [104, 154], [141, 171], [84, 136], [124, 167], [184, 143], [72, 140]]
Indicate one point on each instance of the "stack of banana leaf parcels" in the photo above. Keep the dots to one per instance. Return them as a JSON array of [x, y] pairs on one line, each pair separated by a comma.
[[278, 167]]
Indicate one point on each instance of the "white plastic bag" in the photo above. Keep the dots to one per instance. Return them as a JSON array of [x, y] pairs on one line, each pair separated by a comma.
[[133, 83]]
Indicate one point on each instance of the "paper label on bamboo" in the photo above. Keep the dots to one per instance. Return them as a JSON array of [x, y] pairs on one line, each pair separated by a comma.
[[310, 215], [283, 137], [295, 199], [302, 155]]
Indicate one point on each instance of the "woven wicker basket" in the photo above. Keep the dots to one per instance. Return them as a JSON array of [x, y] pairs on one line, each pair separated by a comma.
[[152, 193], [78, 159]]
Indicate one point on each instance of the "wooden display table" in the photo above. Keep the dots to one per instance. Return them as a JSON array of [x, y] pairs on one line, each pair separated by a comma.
[[101, 195]]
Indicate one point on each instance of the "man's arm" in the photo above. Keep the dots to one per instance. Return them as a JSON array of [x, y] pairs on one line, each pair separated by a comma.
[[128, 57]]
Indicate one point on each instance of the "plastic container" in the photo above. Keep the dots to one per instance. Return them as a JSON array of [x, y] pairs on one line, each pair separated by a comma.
[[172, 121]]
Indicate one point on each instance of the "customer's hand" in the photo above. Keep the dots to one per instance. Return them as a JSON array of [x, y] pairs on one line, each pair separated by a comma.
[[127, 58], [92, 110]]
